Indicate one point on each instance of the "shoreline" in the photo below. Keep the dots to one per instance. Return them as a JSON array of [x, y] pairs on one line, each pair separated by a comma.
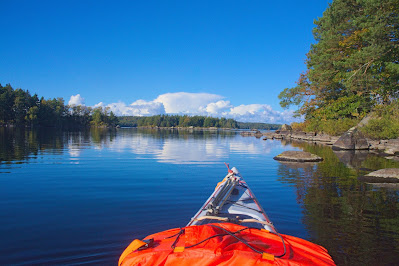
[[387, 148]]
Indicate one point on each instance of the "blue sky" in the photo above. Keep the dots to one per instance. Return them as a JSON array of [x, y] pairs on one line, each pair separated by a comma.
[[229, 58]]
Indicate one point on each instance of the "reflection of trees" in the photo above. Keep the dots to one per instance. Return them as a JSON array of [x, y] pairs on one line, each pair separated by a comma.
[[186, 133], [357, 224], [17, 144], [21, 144], [101, 135]]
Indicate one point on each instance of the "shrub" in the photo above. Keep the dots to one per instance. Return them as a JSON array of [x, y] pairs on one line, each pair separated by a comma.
[[385, 125], [381, 128], [334, 127]]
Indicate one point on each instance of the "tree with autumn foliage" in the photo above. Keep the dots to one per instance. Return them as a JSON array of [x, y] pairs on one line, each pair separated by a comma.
[[354, 64]]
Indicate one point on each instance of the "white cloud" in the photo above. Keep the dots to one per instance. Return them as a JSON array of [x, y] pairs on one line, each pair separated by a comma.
[[100, 104], [76, 100], [137, 108], [142, 108], [185, 102], [196, 104], [249, 109], [260, 113], [218, 108]]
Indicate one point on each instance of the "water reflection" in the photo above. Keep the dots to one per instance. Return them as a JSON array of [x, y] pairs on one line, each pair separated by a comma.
[[166, 146], [357, 223], [352, 159], [184, 147]]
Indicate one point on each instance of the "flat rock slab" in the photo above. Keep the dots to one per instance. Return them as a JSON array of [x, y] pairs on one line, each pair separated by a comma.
[[391, 186], [388, 175], [298, 156]]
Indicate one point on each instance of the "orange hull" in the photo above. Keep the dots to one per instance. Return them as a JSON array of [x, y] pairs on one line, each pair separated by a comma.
[[186, 246]]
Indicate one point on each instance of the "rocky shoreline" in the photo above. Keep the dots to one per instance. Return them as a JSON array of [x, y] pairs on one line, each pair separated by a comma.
[[350, 147], [350, 140]]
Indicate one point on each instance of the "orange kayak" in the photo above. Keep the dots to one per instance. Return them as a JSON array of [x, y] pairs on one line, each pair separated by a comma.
[[231, 228]]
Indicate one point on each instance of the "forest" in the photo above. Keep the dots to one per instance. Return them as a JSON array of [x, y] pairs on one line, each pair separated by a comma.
[[177, 121], [188, 121], [20, 108], [352, 70], [252, 125]]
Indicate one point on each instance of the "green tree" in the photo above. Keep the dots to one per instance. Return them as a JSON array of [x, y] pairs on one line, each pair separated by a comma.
[[97, 119], [32, 116], [355, 60], [20, 106], [6, 104], [113, 120]]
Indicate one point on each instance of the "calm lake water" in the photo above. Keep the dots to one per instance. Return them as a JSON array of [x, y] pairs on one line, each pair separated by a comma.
[[82, 197]]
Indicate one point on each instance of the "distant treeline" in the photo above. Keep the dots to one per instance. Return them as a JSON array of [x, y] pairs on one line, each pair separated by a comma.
[[248, 125], [176, 121], [20, 108], [188, 121]]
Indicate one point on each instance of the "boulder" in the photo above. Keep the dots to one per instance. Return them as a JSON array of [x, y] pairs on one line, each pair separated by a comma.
[[391, 151], [283, 132], [352, 139], [388, 175], [392, 147], [268, 135], [393, 142], [366, 120], [286, 127], [298, 156], [258, 134]]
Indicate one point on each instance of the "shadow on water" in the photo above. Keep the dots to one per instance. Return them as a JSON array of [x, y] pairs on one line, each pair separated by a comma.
[[357, 222]]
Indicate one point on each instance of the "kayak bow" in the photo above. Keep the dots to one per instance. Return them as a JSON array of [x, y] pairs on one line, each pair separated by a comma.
[[233, 201], [231, 228]]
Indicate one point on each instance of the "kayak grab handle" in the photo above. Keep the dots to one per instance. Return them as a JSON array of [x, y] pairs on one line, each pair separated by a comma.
[[228, 168], [226, 219]]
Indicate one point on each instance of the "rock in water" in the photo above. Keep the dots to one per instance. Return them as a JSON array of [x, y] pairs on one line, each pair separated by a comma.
[[258, 134], [286, 127], [298, 156], [388, 175], [352, 139]]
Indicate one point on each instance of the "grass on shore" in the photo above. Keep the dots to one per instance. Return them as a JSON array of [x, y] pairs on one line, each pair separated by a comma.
[[384, 124], [330, 127]]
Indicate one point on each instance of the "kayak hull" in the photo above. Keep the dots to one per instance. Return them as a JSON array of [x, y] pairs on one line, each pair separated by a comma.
[[225, 249]]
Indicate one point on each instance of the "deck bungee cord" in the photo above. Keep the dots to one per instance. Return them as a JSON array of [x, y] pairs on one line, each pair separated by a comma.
[[251, 247], [233, 234]]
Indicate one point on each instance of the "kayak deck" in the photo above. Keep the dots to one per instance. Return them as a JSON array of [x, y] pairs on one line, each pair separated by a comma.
[[234, 202]]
